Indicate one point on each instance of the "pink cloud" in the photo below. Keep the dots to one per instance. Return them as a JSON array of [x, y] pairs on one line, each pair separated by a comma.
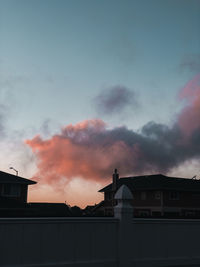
[[189, 119], [91, 150]]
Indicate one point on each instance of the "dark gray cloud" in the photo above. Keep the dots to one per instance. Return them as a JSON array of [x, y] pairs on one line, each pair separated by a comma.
[[114, 100], [91, 150], [156, 148]]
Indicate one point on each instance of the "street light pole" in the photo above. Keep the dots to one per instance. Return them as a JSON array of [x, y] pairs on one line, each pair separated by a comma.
[[14, 170]]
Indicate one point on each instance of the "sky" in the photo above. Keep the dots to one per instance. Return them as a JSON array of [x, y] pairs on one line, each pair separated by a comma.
[[89, 86]]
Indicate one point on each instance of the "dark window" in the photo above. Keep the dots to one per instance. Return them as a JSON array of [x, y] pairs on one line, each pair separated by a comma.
[[174, 195], [157, 195], [11, 190], [190, 213], [6, 189], [144, 213]]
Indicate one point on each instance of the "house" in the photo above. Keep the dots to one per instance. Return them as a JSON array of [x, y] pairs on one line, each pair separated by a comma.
[[94, 210], [13, 194], [13, 200], [157, 195], [13, 187], [45, 209]]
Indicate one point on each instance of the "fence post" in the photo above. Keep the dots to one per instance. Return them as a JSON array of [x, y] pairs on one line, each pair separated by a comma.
[[124, 213]]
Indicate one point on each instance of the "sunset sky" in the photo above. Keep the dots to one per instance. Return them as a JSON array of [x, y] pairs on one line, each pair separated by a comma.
[[87, 86]]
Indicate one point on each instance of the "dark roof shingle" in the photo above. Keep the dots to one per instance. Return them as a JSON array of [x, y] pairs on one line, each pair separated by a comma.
[[6, 178], [156, 182]]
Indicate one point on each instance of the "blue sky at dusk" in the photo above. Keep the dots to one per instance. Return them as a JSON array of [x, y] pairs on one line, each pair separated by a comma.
[[62, 61]]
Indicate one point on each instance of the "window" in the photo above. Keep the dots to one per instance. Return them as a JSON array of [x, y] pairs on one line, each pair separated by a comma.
[[174, 195], [190, 213], [11, 190], [157, 195], [143, 195], [144, 213]]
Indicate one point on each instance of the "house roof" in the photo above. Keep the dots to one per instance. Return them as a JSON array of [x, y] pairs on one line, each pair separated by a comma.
[[156, 182], [7, 178]]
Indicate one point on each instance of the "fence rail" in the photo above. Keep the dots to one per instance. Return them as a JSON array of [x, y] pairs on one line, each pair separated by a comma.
[[121, 241]]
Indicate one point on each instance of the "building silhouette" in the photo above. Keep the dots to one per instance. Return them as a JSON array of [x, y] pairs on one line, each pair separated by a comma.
[[155, 196], [13, 200]]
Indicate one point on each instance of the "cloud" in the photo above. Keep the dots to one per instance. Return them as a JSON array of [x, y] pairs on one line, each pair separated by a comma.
[[114, 100], [91, 150], [191, 62], [189, 119]]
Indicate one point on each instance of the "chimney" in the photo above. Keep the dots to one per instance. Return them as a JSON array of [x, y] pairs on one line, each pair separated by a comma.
[[115, 180]]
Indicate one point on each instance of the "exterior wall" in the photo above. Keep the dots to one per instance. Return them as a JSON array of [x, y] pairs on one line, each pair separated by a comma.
[[149, 204], [21, 198], [150, 199], [24, 191], [109, 203], [188, 204], [186, 199], [137, 200]]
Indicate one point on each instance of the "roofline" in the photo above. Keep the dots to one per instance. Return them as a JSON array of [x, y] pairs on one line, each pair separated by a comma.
[[8, 177], [30, 182], [157, 188]]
